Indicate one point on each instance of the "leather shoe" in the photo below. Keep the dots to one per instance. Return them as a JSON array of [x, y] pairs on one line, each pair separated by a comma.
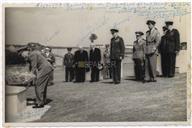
[[38, 106]]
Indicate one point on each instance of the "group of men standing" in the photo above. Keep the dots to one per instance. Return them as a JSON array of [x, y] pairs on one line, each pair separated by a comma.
[[81, 62], [145, 52]]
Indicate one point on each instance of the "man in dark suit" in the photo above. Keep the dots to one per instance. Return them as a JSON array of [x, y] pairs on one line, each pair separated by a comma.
[[94, 61], [163, 52], [116, 55], [80, 61], [173, 47], [68, 62], [42, 69]]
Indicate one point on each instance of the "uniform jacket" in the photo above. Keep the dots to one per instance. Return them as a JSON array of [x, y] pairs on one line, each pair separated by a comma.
[[163, 44], [152, 41], [95, 56], [173, 40], [117, 48], [81, 58], [68, 60], [139, 47], [39, 64]]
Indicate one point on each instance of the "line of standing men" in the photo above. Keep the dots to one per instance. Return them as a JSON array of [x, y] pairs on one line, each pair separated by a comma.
[[145, 52], [81, 62]]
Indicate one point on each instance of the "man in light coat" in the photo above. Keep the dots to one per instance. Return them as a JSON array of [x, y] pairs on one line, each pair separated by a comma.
[[152, 42]]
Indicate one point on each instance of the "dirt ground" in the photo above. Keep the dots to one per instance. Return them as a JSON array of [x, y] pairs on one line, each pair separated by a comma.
[[164, 100]]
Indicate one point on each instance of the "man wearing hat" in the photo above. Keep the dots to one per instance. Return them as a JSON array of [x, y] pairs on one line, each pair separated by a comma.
[[163, 52], [117, 51], [68, 63], [139, 56], [42, 69], [173, 47], [152, 42]]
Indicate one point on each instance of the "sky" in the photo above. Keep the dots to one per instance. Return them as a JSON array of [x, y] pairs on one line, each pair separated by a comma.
[[72, 27]]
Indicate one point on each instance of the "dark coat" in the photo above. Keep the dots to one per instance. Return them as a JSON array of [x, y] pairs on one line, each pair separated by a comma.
[[39, 64], [95, 56], [81, 58], [68, 60], [173, 41], [163, 44], [117, 48]]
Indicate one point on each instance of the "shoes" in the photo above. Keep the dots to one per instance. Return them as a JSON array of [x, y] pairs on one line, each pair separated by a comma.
[[38, 106], [117, 82]]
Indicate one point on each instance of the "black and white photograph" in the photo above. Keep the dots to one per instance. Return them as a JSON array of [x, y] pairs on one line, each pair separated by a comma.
[[97, 62]]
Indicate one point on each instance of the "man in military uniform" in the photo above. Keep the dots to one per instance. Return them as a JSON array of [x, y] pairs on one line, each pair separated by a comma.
[[42, 69], [163, 52], [80, 61], [152, 42], [116, 55], [94, 61], [139, 56], [68, 63], [173, 47]]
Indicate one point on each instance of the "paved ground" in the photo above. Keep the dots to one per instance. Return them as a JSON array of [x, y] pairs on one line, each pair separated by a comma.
[[129, 101]]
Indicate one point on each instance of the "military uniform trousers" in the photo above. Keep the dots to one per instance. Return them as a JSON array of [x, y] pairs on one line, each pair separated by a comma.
[[69, 74], [150, 67], [41, 88], [139, 69], [116, 70], [168, 64]]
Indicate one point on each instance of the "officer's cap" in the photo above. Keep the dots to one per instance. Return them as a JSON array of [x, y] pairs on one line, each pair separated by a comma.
[[169, 22], [138, 33], [151, 22], [114, 30], [69, 49]]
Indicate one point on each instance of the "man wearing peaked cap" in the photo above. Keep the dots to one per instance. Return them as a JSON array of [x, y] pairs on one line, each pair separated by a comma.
[[139, 56], [116, 55], [68, 61], [173, 47], [152, 42], [43, 70]]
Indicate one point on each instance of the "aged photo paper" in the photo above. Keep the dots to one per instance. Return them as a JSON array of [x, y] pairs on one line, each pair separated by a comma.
[[96, 64]]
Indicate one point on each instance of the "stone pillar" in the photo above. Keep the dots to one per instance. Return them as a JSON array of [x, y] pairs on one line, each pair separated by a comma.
[[15, 101]]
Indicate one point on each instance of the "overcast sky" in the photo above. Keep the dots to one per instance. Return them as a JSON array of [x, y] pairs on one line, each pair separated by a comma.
[[60, 27]]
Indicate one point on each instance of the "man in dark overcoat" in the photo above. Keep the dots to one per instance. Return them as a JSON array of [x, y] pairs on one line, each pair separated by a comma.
[[80, 61], [94, 61], [117, 51], [173, 47]]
